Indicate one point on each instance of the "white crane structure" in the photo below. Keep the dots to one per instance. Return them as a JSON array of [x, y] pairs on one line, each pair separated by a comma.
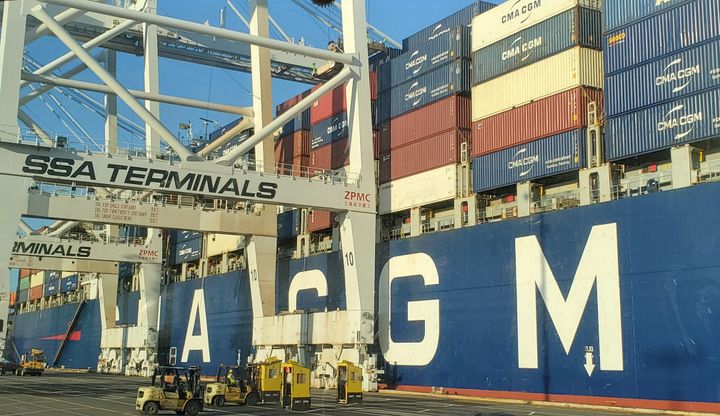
[[50, 178], [131, 350]]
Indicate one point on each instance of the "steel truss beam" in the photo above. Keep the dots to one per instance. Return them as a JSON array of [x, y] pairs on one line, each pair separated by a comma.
[[141, 95]]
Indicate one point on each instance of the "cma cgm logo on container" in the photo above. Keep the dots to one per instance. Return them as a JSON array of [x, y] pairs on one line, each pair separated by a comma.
[[521, 160], [523, 11], [416, 62], [337, 125], [415, 94], [518, 47], [677, 119], [438, 31], [676, 73]]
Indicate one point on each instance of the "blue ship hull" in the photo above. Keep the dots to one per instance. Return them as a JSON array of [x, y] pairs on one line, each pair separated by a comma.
[[615, 303]]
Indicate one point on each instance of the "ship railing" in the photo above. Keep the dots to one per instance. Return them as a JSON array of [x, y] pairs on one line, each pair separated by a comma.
[[642, 185], [498, 212], [546, 203], [709, 171]]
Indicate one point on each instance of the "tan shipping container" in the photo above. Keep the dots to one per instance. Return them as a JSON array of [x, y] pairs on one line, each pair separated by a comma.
[[570, 69], [424, 188], [37, 278]]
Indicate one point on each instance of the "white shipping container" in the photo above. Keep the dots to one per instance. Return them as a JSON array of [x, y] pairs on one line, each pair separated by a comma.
[[570, 69], [222, 243], [425, 188], [37, 279], [513, 16]]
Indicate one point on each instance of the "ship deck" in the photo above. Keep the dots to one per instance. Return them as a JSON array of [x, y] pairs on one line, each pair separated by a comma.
[[96, 394]]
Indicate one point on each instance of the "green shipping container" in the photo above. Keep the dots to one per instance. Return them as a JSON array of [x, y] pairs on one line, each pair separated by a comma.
[[24, 283]]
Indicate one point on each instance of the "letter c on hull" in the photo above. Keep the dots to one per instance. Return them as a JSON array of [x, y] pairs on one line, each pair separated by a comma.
[[427, 311]]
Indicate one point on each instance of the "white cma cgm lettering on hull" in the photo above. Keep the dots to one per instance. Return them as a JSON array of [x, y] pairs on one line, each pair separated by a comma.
[[426, 311], [598, 265], [200, 341]]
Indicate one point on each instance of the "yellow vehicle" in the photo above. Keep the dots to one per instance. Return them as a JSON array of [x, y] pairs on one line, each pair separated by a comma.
[[32, 363], [178, 390], [258, 383], [295, 386], [349, 383]]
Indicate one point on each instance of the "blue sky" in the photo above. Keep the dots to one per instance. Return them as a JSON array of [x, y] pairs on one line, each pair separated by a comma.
[[398, 18]]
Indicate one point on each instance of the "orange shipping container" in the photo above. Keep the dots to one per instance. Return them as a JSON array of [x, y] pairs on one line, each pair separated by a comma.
[[25, 273], [36, 292], [13, 297], [320, 220]]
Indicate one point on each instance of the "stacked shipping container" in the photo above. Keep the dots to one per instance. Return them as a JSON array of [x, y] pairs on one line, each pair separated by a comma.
[[292, 146], [187, 244], [423, 105], [668, 54], [537, 66]]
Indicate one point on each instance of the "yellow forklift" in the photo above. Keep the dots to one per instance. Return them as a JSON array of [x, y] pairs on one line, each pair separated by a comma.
[[178, 390], [295, 386], [32, 363], [349, 383], [258, 383]]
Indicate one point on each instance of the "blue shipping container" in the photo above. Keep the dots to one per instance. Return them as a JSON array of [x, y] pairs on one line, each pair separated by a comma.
[[188, 251], [453, 78], [685, 120], [681, 27], [234, 142], [179, 236], [288, 224], [545, 157], [575, 27], [222, 130], [381, 57], [69, 284], [621, 12], [329, 130], [51, 275], [52, 286], [687, 72], [460, 18], [299, 122], [22, 296], [453, 44]]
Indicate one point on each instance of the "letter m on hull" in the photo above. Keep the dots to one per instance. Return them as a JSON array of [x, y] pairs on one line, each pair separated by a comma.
[[598, 265]]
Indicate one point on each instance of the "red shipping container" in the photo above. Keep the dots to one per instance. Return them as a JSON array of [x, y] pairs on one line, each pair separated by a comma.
[[36, 292], [449, 113], [543, 118], [373, 85], [376, 144], [288, 104], [331, 156], [320, 220], [433, 152], [25, 273], [289, 147], [334, 102]]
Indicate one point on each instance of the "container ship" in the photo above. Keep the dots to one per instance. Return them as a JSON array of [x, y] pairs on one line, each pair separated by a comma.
[[547, 180]]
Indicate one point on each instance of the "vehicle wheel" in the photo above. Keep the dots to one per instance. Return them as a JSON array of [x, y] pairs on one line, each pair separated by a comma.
[[22, 372], [192, 408], [2, 372], [17, 371], [218, 401], [251, 399], [151, 408]]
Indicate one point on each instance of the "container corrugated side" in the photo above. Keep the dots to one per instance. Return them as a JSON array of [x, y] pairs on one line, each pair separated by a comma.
[[35, 292], [299, 122], [190, 250], [545, 157], [453, 78], [289, 103], [25, 273], [685, 120], [289, 147], [426, 57], [418, 190], [572, 68], [511, 17], [22, 296], [575, 27], [37, 278], [330, 104], [332, 156], [685, 73], [422, 155], [219, 132], [462, 17], [329, 130], [618, 13], [546, 117], [448, 113], [681, 27], [24, 283], [52, 286], [69, 283], [320, 220], [288, 224]]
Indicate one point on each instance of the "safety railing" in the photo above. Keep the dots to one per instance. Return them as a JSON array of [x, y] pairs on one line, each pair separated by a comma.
[[556, 202], [709, 171]]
